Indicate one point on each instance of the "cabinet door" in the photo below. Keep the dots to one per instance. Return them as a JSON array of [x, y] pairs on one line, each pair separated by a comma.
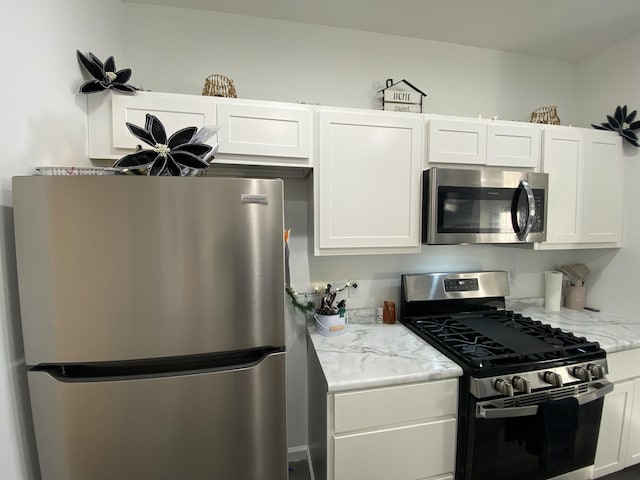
[[368, 183], [419, 451], [457, 141], [561, 159], [513, 146], [633, 447], [174, 111], [283, 131], [602, 182], [109, 137], [614, 429]]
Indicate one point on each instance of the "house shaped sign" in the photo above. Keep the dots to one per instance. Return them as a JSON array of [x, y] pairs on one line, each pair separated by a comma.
[[402, 97]]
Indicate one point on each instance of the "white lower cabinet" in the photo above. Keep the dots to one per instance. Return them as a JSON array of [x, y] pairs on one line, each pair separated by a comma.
[[403, 432], [619, 440], [400, 432], [633, 441], [367, 182], [610, 456], [415, 451]]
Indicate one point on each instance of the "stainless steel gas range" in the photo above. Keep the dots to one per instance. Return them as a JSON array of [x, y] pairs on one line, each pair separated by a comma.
[[531, 396]]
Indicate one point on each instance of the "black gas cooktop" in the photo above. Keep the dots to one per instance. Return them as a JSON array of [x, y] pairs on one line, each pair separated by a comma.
[[499, 338]]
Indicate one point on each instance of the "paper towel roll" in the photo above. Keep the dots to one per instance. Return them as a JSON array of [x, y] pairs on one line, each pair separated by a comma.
[[552, 290]]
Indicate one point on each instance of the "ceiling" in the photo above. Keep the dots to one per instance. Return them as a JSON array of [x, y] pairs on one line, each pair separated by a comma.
[[565, 30]]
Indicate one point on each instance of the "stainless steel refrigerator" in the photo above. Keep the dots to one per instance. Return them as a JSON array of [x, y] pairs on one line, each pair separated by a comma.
[[153, 322]]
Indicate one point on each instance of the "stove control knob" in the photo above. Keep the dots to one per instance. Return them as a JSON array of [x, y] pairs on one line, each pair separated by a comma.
[[553, 379], [521, 384], [583, 373], [504, 387], [597, 371]]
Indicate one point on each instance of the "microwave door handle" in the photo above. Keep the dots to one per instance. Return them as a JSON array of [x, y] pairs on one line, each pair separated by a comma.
[[531, 207]]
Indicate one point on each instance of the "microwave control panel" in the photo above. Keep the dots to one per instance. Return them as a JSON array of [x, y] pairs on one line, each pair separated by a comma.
[[538, 223]]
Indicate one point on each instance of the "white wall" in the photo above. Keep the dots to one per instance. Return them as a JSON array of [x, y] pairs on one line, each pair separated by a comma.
[[606, 80], [174, 50], [43, 122]]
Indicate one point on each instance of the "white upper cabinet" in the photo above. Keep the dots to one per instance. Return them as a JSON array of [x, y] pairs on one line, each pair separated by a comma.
[[513, 145], [251, 132], [603, 180], [562, 158], [109, 137], [252, 129], [457, 141], [483, 142], [367, 182], [585, 198]]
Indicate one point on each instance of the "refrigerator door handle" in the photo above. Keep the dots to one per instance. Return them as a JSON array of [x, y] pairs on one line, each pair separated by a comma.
[[150, 368]]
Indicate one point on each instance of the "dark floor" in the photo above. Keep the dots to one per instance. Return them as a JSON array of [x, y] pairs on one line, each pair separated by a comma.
[[300, 471], [631, 473]]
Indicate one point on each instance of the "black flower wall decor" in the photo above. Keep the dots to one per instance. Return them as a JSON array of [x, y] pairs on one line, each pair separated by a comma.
[[105, 76], [172, 156], [622, 123]]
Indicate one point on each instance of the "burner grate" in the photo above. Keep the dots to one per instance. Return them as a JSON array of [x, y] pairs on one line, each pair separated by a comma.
[[499, 338]]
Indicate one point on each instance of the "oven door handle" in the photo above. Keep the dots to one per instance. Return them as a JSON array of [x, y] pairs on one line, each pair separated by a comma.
[[602, 388], [531, 210]]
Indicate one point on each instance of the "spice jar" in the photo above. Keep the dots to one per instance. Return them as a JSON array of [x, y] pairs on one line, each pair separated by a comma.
[[389, 312]]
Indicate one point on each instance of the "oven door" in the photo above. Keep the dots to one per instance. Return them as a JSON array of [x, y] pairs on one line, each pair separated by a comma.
[[549, 435], [477, 206]]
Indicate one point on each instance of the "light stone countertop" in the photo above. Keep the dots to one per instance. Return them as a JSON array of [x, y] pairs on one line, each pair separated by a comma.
[[372, 354], [613, 332], [377, 355]]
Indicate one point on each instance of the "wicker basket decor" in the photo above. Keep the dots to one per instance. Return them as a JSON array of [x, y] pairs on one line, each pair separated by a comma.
[[219, 86], [547, 115]]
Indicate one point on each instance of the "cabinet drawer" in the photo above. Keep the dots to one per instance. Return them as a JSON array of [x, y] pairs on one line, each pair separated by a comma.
[[394, 405], [265, 131], [623, 365], [421, 451]]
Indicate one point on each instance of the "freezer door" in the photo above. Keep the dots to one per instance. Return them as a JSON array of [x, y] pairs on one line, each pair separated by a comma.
[[207, 425], [132, 267]]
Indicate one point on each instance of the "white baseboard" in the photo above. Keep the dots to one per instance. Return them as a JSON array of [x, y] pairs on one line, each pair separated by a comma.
[[295, 454]]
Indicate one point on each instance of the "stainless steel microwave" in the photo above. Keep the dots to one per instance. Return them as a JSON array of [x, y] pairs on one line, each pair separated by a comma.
[[483, 206]]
